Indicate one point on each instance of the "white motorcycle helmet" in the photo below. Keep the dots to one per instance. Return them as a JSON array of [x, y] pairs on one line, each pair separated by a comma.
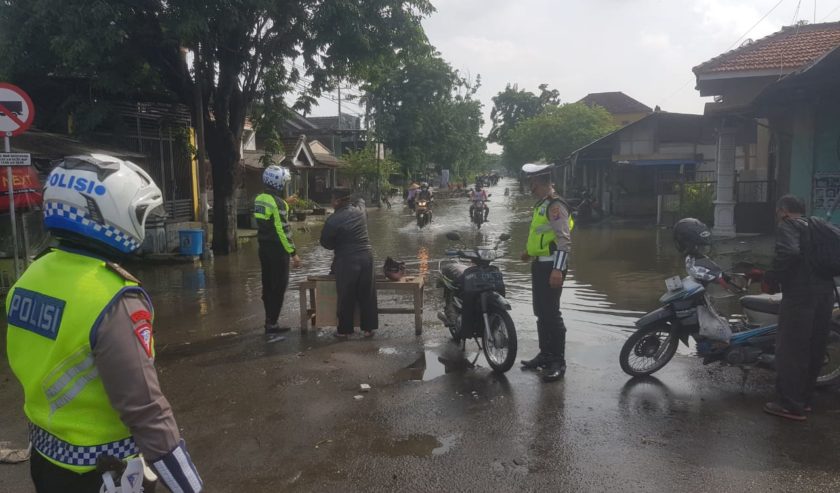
[[100, 198], [276, 177]]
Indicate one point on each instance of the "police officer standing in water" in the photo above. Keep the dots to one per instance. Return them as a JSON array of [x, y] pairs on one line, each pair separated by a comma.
[[80, 337], [276, 248], [548, 248]]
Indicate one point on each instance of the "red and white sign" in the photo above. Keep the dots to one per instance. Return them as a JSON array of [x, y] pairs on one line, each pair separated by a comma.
[[16, 110]]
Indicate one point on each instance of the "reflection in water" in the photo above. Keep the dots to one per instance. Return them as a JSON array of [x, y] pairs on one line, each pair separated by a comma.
[[423, 256], [616, 272]]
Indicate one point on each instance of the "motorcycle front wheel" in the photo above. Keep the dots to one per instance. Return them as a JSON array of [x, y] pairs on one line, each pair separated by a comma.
[[830, 371], [499, 340], [648, 350]]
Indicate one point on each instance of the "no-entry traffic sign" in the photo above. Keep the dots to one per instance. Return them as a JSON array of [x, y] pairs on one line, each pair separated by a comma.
[[16, 110]]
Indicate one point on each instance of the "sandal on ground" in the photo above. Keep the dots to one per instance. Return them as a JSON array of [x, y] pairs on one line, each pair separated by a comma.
[[368, 334], [340, 336], [778, 410]]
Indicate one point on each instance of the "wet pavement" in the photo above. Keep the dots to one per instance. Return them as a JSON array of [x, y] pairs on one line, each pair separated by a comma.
[[276, 416]]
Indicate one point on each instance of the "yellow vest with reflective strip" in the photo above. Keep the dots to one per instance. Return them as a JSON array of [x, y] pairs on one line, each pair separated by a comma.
[[541, 235], [265, 208], [52, 311]]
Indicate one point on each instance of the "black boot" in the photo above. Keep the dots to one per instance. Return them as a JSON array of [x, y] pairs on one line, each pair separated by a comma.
[[539, 362], [554, 371]]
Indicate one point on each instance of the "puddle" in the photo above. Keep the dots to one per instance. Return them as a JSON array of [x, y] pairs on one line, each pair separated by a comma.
[[416, 445], [431, 365], [446, 444]]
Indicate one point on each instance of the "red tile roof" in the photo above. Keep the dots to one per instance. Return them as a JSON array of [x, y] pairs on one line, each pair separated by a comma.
[[616, 103], [792, 48]]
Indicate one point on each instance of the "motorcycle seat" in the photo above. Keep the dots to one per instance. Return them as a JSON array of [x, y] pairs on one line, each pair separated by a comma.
[[762, 303], [453, 270]]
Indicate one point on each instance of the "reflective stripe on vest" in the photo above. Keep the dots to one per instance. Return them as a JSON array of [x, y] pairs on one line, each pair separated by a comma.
[[267, 209], [541, 235], [53, 311]]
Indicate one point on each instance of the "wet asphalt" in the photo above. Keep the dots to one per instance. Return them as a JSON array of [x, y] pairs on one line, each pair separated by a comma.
[[261, 415]]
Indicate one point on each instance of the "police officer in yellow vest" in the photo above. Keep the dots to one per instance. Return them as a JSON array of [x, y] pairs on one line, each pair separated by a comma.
[[276, 248], [549, 245], [80, 335]]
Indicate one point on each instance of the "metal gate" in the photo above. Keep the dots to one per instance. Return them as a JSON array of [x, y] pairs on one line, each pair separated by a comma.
[[161, 132], [754, 210]]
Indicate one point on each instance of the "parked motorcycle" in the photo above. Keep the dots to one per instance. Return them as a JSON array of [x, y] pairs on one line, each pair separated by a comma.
[[423, 211], [753, 334], [480, 288], [586, 209]]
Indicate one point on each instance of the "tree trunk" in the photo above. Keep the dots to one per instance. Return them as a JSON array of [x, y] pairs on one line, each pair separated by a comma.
[[223, 150]]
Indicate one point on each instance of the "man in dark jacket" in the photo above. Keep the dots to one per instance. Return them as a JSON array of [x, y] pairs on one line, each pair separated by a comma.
[[804, 316], [345, 232]]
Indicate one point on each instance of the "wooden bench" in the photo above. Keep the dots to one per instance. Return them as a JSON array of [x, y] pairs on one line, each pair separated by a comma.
[[410, 284]]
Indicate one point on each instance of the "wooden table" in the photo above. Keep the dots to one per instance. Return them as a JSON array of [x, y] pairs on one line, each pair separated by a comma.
[[411, 284]]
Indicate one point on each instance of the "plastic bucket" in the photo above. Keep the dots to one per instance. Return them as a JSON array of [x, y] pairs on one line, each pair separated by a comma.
[[192, 241]]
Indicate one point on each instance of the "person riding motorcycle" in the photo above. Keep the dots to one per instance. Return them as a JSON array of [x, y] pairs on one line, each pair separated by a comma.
[[478, 198], [411, 195], [80, 337], [425, 193]]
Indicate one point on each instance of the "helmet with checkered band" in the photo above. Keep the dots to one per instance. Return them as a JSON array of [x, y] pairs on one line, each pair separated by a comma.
[[100, 198], [276, 177]]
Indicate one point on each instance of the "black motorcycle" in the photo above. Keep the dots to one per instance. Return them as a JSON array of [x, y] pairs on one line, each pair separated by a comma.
[[480, 288], [423, 211]]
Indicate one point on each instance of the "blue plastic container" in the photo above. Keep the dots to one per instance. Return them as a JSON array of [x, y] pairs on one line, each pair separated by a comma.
[[192, 241]]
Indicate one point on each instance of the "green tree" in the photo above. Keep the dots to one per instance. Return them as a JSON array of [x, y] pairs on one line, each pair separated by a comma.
[[557, 132], [425, 112], [245, 51], [514, 105], [364, 164]]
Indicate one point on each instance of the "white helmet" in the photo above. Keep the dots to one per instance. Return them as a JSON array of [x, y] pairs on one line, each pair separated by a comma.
[[100, 198], [276, 177]]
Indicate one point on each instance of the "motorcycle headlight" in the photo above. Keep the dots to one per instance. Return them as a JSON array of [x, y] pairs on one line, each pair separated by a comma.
[[486, 254]]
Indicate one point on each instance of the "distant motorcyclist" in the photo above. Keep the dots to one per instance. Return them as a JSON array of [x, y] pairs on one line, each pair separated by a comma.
[[411, 194], [425, 193], [478, 198]]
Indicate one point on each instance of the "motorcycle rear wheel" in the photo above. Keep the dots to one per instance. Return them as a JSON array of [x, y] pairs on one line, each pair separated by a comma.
[[830, 371], [648, 350], [499, 340]]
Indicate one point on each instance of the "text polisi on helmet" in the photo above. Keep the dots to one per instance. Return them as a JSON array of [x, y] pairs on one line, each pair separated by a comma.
[[77, 183]]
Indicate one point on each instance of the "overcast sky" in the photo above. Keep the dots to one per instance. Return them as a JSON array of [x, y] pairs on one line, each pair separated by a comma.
[[644, 48]]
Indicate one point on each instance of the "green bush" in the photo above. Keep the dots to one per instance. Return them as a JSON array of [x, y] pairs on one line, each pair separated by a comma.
[[697, 200]]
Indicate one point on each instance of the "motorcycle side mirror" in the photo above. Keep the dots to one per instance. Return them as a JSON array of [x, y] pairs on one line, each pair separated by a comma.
[[504, 237], [453, 236]]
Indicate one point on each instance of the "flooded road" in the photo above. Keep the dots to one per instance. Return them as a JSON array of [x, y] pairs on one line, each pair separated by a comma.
[[267, 416], [616, 272]]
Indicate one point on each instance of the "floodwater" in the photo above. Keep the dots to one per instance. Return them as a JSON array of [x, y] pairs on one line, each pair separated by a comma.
[[616, 274], [435, 418]]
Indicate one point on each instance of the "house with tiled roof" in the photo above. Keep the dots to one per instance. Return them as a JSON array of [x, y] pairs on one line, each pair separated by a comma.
[[624, 109], [787, 82]]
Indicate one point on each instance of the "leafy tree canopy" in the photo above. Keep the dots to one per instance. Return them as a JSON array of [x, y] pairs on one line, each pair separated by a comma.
[[425, 112], [557, 132], [245, 50], [514, 105]]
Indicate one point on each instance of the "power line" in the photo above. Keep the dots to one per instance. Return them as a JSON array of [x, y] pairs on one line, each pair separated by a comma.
[[748, 31], [796, 12]]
